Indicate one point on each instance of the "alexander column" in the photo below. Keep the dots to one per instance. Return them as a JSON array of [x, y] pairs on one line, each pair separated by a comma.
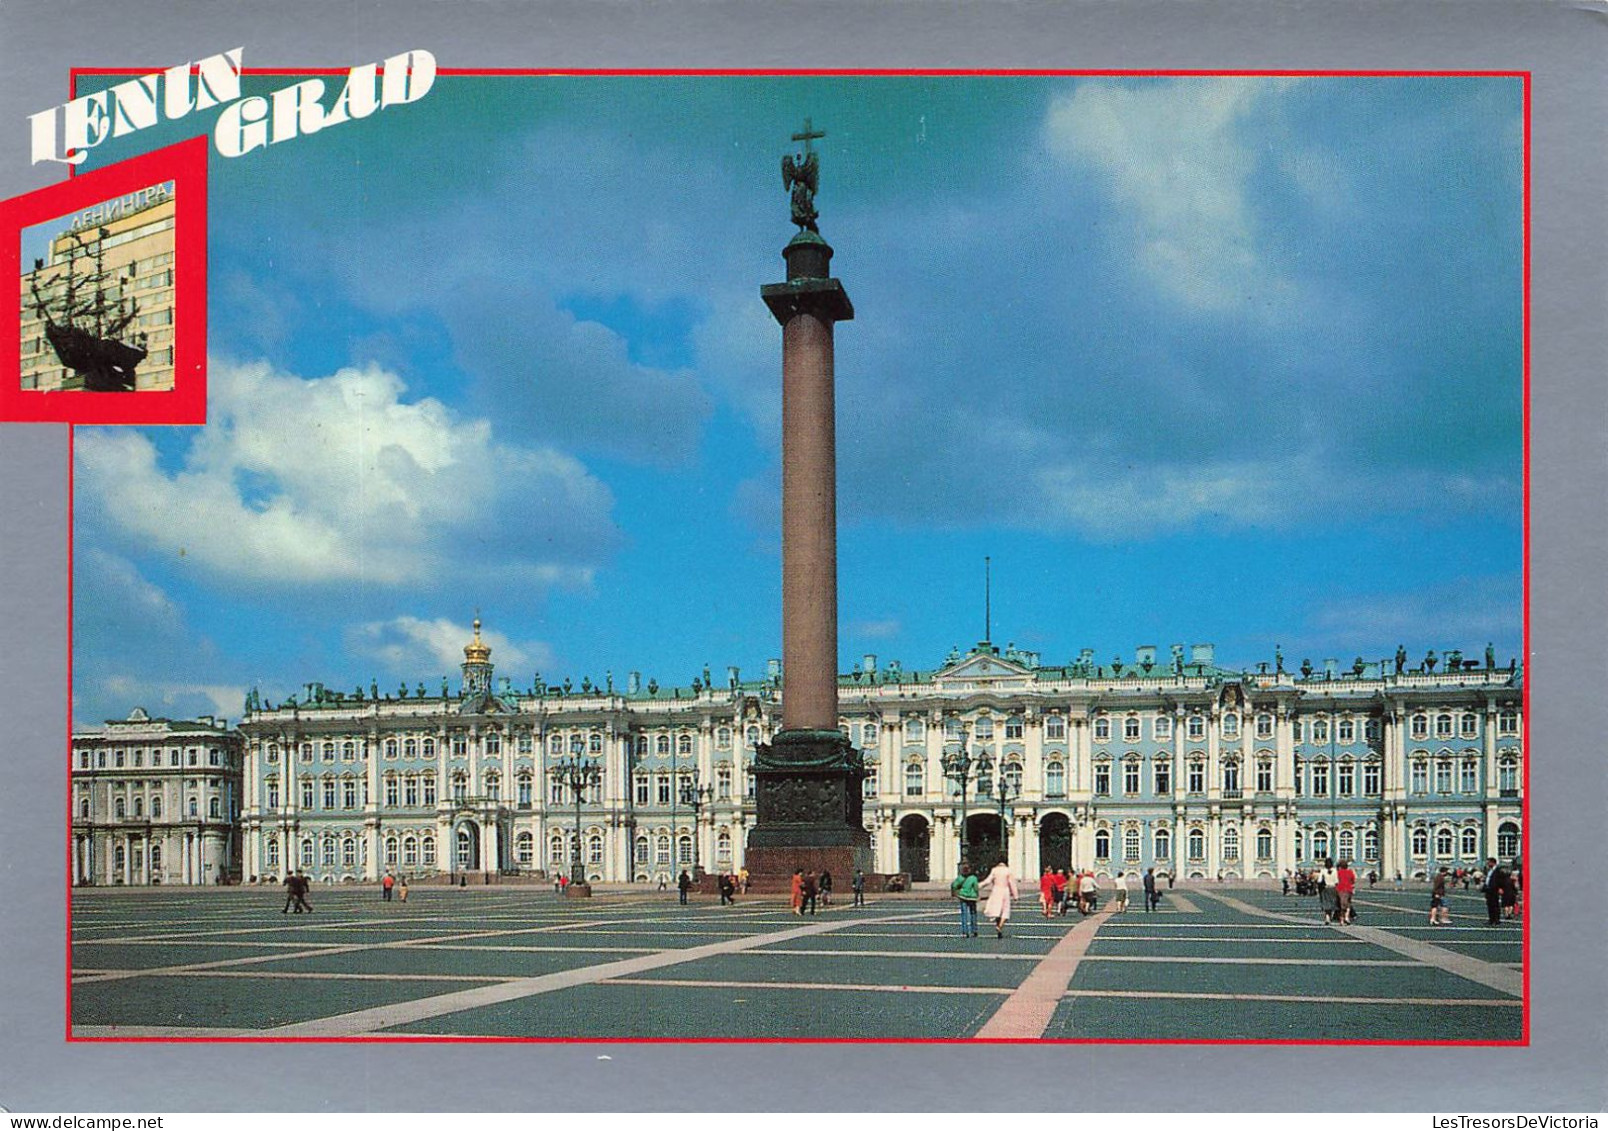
[[807, 781]]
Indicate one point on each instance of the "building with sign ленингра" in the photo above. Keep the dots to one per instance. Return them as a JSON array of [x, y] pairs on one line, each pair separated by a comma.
[[135, 235]]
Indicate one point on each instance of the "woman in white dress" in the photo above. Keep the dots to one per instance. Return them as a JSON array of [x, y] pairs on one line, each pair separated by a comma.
[[1002, 889]]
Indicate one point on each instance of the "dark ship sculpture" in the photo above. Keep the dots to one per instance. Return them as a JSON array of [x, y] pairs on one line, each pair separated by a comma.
[[86, 319]]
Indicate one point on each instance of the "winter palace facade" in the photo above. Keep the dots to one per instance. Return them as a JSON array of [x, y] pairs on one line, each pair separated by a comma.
[[1176, 764]]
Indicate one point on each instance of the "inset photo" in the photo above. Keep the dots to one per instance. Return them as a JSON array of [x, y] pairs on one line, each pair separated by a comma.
[[110, 315], [97, 297]]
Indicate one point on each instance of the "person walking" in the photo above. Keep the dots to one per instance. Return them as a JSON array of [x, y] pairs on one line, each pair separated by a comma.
[[1119, 892], [1151, 897], [292, 894], [1496, 878], [1345, 887], [1328, 891], [728, 889], [1088, 892], [742, 880], [683, 885], [1439, 915], [1047, 891], [965, 890], [386, 884], [797, 891], [825, 885], [1001, 884], [402, 890], [812, 892], [858, 884]]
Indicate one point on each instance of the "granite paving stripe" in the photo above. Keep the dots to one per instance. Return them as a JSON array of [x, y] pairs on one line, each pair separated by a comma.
[[428, 959], [758, 1013], [1462, 965], [901, 955], [323, 975], [236, 1002], [211, 1032], [855, 987], [1027, 1012], [1184, 995], [388, 1016], [780, 966], [1235, 960], [1298, 979]]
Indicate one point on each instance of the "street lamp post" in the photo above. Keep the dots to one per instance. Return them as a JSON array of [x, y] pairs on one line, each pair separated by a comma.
[[578, 774], [695, 798], [960, 767]]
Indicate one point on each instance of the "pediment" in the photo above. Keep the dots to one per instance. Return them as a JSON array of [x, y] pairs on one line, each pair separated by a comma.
[[984, 669]]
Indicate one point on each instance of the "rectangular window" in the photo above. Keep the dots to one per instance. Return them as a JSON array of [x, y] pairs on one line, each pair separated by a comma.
[[1471, 777], [642, 791], [348, 794], [1347, 779], [1420, 777], [1102, 779], [1264, 777], [1163, 778], [1197, 777], [1130, 778], [429, 791], [1162, 727], [1320, 779], [1371, 779], [329, 794], [1443, 777]]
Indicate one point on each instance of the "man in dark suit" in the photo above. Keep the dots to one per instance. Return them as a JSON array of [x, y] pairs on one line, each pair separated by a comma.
[[1496, 878]]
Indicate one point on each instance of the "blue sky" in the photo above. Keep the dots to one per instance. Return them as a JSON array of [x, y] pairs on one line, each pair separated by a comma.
[[1201, 359]]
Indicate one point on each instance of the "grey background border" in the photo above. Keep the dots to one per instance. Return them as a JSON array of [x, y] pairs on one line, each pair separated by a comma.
[[1565, 1067]]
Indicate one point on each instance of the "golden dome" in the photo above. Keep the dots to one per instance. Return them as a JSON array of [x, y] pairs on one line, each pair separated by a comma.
[[476, 652]]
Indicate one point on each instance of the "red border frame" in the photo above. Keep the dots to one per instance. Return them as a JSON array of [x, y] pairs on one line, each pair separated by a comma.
[[186, 403], [198, 303]]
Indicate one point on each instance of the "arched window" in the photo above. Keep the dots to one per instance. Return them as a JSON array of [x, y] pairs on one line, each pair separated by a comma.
[[1320, 843], [1055, 728], [1130, 729], [195, 806], [1102, 844], [661, 746], [1420, 842], [83, 806], [985, 728], [524, 848], [1420, 726], [1130, 845], [1231, 725], [328, 855], [594, 849], [642, 849], [723, 847], [119, 808], [1507, 840], [390, 748], [410, 851], [1320, 729], [1163, 844], [869, 735], [751, 736], [555, 851], [683, 745], [1264, 844], [1054, 779], [271, 853], [329, 751], [348, 852], [156, 805], [1370, 844], [391, 850], [1231, 843], [723, 738], [214, 808], [427, 850], [429, 748], [307, 852], [1346, 842], [139, 806], [1197, 844], [410, 747], [1102, 729], [684, 850], [1471, 843], [1443, 842], [1507, 776], [915, 779], [1013, 778], [594, 742]]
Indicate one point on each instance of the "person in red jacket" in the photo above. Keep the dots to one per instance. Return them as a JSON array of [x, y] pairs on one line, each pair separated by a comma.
[[1346, 885], [1047, 890]]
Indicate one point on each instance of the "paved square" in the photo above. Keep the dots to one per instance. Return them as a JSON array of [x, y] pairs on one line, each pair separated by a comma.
[[1213, 963]]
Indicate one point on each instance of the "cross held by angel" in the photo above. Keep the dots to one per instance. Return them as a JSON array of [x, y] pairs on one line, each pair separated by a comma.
[[801, 176]]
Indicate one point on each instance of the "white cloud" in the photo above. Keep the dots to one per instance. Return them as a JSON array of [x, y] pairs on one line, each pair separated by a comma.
[[166, 698], [1125, 501], [408, 644], [339, 478], [1173, 154]]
